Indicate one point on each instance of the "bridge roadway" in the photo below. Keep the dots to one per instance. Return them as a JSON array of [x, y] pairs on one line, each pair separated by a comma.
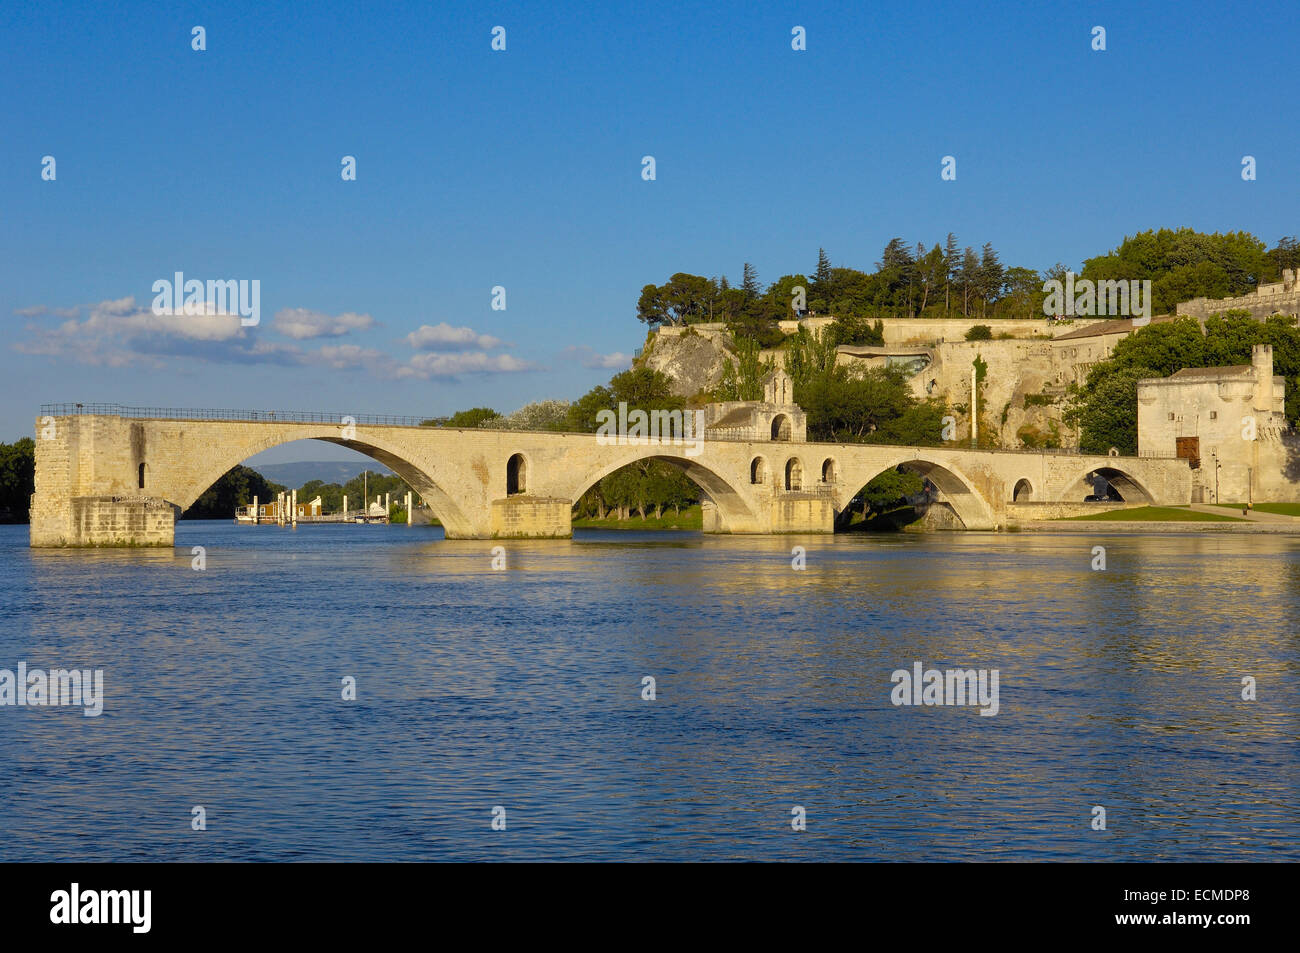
[[121, 478]]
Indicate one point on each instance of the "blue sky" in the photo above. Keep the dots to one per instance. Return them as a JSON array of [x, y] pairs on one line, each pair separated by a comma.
[[522, 169]]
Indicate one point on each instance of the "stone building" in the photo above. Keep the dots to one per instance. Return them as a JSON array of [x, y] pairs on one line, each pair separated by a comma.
[[775, 417], [1229, 421]]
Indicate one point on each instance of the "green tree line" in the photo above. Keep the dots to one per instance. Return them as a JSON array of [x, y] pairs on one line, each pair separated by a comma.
[[947, 279]]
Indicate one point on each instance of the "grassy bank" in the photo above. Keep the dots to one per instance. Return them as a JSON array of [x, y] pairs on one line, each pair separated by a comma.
[[689, 518], [1154, 514]]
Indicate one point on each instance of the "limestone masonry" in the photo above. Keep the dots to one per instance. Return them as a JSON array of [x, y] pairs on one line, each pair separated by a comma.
[[116, 479]]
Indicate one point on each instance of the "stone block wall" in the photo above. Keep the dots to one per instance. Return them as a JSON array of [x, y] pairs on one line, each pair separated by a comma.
[[531, 517]]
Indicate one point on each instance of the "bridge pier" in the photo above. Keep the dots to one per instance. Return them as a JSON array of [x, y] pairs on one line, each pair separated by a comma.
[[102, 521], [530, 517], [801, 513]]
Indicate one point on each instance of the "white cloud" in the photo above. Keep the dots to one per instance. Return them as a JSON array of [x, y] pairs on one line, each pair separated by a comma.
[[302, 324], [591, 358], [41, 309], [117, 333], [443, 337], [452, 365]]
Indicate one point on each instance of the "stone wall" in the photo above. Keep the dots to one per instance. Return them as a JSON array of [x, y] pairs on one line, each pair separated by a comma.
[[1282, 297], [532, 517], [103, 521]]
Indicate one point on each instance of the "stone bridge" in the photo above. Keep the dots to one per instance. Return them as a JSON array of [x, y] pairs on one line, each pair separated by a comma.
[[122, 478]]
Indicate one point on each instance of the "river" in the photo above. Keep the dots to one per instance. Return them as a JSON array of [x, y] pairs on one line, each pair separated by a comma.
[[522, 688]]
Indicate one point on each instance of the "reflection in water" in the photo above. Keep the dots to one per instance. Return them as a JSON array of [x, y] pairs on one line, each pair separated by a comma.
[[522, 688]]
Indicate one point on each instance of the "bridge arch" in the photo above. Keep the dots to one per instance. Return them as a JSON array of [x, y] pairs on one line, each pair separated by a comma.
[[183, 491], [734, 510], [969, 505], [1130, 489]]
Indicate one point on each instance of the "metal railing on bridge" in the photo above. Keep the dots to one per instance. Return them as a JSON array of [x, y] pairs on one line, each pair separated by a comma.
[[249, 416], [394, 420]]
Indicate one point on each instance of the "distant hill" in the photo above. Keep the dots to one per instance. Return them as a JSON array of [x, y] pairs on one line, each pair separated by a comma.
[[294, 475]]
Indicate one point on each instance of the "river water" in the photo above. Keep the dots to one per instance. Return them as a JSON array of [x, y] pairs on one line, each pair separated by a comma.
[[522, 688]]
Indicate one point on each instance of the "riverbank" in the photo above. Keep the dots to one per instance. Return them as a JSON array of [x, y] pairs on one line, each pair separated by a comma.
[[1152, 527], [690, 518]]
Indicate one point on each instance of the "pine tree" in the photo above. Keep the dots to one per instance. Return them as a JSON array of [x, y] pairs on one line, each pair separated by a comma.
[[950, 262], [968, 278], [823, 274], [750, 282], [990, 277]]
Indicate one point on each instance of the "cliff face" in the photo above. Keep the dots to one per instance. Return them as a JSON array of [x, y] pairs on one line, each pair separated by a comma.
[[694, 362]]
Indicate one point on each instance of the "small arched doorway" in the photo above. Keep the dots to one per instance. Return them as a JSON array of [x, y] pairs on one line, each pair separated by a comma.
[[781, 427], [1023, 493], [794, 474], [757, 470], [516, 475], [828, 471]]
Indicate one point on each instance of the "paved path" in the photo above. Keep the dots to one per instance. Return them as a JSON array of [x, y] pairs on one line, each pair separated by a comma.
[[1254, 516]]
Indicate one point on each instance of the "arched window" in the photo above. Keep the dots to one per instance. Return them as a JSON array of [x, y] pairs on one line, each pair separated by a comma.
[[794, 474], [516, 475], [828, 471], [757, 470], [141, 481], [781, 427]]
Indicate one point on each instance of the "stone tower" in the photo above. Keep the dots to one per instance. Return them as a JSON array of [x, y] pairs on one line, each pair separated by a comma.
[[778, 388]]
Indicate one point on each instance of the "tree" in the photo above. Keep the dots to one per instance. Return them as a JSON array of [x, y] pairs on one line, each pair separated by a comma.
[[897, 269], [17, 479], [539, 415], [236, 487], [1285, 254], [809, 357], [932, 270], [968, 278], [641, 388], [990, 277], [853, 408], [1183, 264], [823, 274], [979, 332], [1109, 416], [468, 419], [331, 495], [749, 282], [683, 299], [951, 262], [742, 378], [889, 488], [856, 331]]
